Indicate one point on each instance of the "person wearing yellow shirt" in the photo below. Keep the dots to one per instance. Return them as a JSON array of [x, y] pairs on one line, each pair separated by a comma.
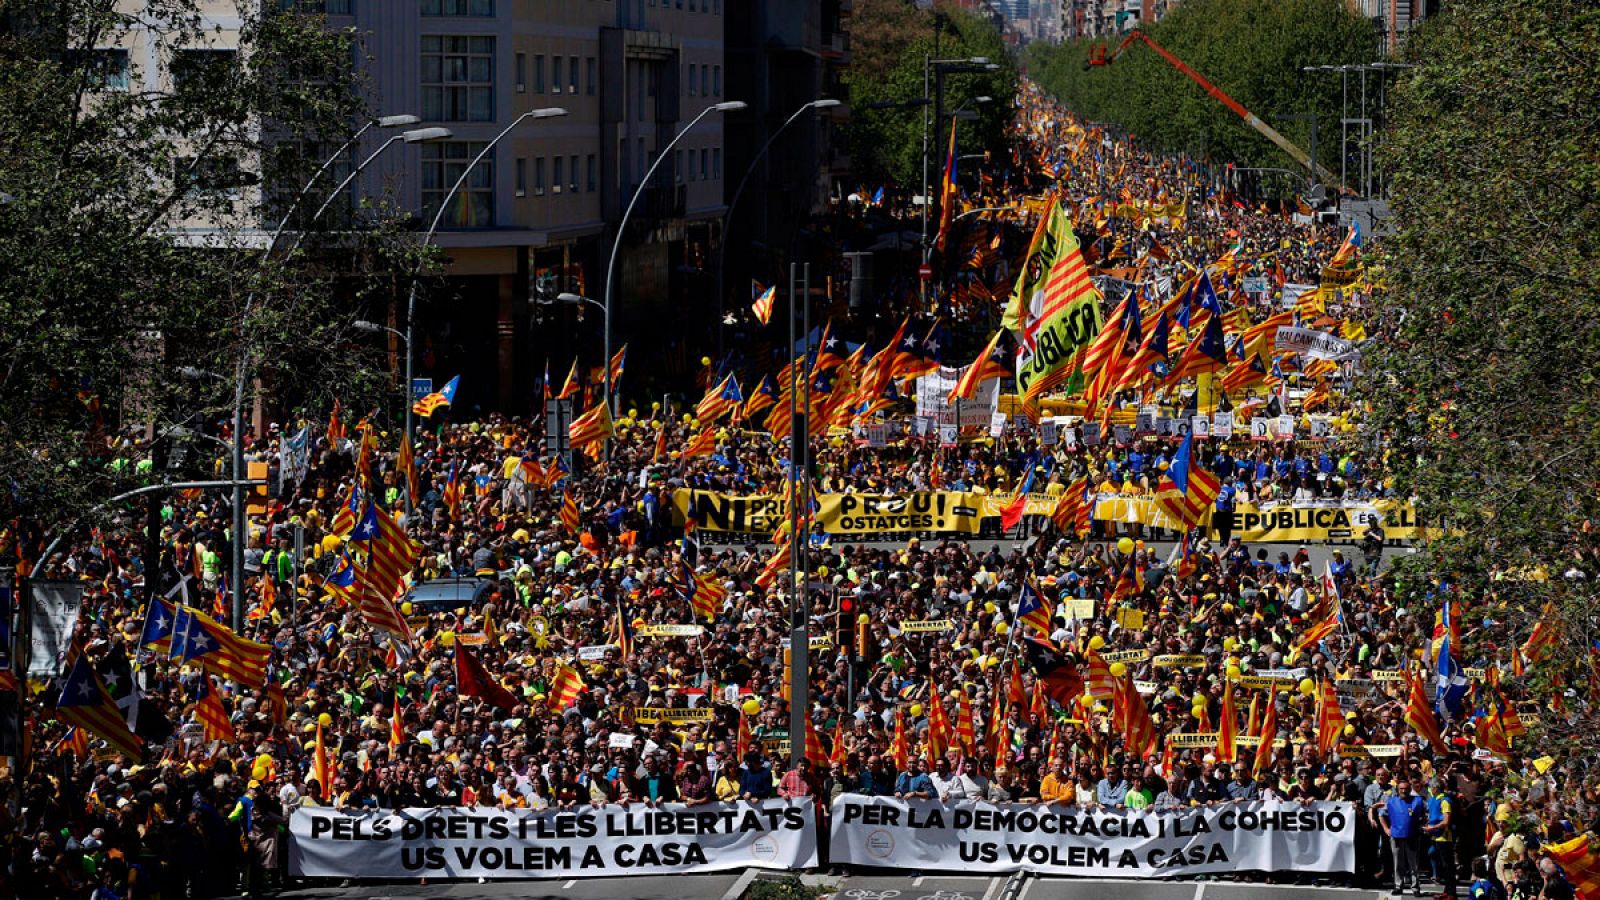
[[727, 786], [1057, 786]]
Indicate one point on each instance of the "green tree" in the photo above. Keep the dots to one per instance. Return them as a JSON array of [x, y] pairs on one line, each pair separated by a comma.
[[1253, 50], [889, 41], [1485, 379], [131, 222]]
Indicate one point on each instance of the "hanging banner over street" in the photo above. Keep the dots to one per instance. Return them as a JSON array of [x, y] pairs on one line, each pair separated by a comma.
[[1010, 837], [467, 842]]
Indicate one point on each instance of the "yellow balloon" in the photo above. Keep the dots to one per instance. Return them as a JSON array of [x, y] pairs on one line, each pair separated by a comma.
[[324, 720], [705, 360], [687, 418], [1096, 642], [1235, 673], [1307, 686], [1118, 669], [989, 608], [633, 412], [405, 608], [1198, 711], [752, 707], [1198, 699], [916, 710], [863, 619], [1125, 546], [822, 571], [1349, 731], [1000, 628], [448, 638], [1229, 643]]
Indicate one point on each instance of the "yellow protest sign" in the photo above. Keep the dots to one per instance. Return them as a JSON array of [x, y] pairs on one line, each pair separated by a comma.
[[929, 625], [1126, 656], [649, 715], [1179, 661]]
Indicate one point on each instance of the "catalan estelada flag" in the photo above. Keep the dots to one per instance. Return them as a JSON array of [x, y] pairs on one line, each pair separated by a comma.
[[1348, 249], [1032, 608], [570, 386], [1187, 490], [87, 705], [202, 639], [1419, 713], [949, 192], [762, 307], [435, 401], [1580, 860], [718, 400]]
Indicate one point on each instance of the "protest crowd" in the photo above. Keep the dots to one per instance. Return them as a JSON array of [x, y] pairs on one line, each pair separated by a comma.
[[1070, 651]]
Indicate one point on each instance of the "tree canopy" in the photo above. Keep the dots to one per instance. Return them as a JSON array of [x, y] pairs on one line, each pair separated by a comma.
[[131, 222], [1485, 382], [889, 41], [1253, 50]]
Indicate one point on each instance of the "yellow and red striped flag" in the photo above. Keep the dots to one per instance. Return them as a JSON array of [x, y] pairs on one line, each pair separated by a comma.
[[211, 715], [569, 512], [592, 427]]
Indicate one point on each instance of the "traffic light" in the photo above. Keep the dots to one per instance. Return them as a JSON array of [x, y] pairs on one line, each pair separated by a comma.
[[843, 637]]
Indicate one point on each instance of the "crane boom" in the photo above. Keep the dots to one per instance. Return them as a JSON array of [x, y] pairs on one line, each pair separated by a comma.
[[1250, 118]]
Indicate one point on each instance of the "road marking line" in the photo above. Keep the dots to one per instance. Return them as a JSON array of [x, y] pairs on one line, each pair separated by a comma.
[[993, 884], [1027, 885], [1199, 890], [917, 881], [569, 884]]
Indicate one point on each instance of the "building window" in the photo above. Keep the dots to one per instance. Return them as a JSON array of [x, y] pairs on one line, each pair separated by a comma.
[[522, 72], [108, 70], [572, 76], [705, 164], [555, 74], [538, 73], [538, 176], [716, 162], [691, 79], [318, 7], [677, 166], [458, 7], [692, 155], [572, 174], [716, 81], [588, 65], [590, 167], [457, 78], [214, 174], [442, 163], [198, 70], [555, 174], [522, 177]]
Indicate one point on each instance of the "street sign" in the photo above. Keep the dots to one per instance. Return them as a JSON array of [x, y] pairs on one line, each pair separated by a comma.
[[925, 272], [420, 387]]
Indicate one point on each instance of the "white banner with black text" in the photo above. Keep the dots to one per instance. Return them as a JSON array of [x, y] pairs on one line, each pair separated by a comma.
[[1060, 840], [465, 842]]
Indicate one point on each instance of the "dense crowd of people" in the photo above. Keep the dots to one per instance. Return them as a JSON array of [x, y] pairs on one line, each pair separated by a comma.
[[199, 817]]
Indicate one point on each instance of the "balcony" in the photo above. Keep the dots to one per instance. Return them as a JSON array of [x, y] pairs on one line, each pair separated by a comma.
[[664, 201]]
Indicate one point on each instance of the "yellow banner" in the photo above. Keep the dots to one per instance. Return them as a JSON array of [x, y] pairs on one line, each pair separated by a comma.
[[927, 626], [963, 512], [670, 630], [1192, 741], [1179, 661], [1126, 656], [650, 715], [1370, 751]]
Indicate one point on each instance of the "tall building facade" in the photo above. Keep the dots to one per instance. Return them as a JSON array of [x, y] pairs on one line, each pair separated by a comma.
[[538, 216]]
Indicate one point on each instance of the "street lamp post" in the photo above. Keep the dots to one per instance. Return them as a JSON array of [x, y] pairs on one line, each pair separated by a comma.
[[727, 217], [242, 372], [622, 226], [549, 112], [416, 136], [929, 66]]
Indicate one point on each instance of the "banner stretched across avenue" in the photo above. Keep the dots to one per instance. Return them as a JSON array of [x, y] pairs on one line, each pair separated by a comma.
[[965, 512], [881, 832]]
